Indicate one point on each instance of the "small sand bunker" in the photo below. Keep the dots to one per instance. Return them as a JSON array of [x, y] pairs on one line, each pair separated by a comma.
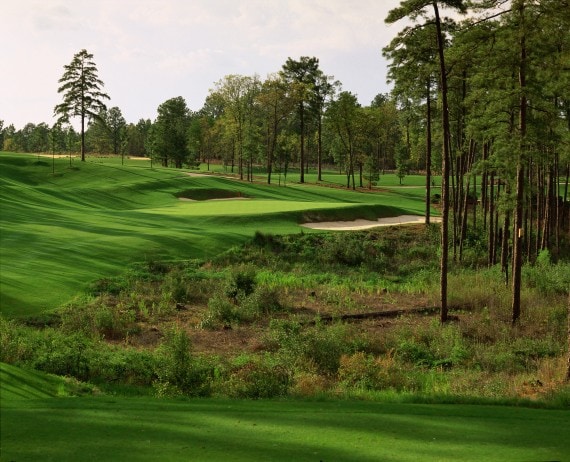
[[367, 224], [204, 194]]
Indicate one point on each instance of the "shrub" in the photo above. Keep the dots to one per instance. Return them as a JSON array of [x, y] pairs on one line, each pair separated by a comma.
[[99, 318], [434, 346], [258, 378], [124, 366], [241, 283], [239, 305], [177, 371], [64, 354], [317, 348], [547, 278]]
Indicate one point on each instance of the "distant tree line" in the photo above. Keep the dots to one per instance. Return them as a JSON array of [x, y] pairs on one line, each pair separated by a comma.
[[297, 117]]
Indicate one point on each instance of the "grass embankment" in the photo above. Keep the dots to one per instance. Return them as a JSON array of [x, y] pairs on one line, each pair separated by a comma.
[[135, 429], [61, 232]]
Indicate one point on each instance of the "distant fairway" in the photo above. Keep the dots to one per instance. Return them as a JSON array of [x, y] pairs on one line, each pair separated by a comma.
[[60, 232]]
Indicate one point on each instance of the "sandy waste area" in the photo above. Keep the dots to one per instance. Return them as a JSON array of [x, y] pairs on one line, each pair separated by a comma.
[[367, 224]]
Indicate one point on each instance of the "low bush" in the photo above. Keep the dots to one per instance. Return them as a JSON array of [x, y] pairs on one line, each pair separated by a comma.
[[259, 377], [99, 318], [178, 372]]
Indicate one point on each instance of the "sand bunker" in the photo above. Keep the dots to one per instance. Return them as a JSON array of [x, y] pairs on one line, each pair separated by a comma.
[[367, 224]]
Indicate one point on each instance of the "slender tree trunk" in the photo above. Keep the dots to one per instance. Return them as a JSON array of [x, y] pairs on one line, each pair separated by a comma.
[[517, 238], [568, 363], [82, 138], [490, 250], [428, 151], [539, 208], [302, 159], [465, 207], [565, 208], [547, 213], [444, 171], [475, 201], [557, 205], [505, 248], [319, 149], [484, 187], [529, 214]]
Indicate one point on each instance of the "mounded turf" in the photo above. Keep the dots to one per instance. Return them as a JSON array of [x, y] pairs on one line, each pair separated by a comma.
[[60, 232]]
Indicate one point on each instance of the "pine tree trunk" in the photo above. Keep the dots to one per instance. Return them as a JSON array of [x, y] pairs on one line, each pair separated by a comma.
[[518, 231], [505, 248], [302, 159], [444, 172], [490, 250], [484, 185], [428, 152], [568, 363], [82, 138]]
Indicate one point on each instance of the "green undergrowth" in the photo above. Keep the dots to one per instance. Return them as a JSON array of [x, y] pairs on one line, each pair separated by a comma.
[[258, 287]]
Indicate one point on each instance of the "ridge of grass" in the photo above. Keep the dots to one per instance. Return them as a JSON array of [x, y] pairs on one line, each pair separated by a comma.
[[21, 384]]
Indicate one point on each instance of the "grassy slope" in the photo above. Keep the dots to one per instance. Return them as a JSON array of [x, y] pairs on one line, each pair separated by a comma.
[[17, 384], [60, 232], [104, 428]]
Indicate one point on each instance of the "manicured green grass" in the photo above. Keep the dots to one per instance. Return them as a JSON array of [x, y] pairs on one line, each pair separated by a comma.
[[17, 384], [137, 429], [60, 232]]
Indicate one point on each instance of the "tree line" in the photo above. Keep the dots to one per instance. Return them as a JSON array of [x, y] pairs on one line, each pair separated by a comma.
[[490, 96], [298, 116]]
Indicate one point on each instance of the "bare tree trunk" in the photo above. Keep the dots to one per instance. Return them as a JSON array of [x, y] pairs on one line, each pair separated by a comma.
[[505, 248], [568, 364], [484, 182], [82, 138], [463, 231], [539, 207], [490, 250], [529, 213], [444, 172], [557, 205], [544, 244], [302, 159], [518, 231], [428, 151]]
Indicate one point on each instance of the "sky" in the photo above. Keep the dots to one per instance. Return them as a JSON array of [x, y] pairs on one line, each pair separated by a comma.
[[148, 51]]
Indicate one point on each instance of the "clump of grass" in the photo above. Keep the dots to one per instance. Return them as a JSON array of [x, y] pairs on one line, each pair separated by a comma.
[[240, 299]]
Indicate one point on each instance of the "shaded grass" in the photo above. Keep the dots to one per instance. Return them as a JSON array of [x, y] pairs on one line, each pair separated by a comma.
[[141, 429], [18, 384]]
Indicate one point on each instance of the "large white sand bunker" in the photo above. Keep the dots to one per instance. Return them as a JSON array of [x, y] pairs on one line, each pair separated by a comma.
[[367, 224]]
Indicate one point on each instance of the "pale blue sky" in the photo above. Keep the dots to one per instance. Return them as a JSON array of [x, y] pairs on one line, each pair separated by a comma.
[[148, 51]]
